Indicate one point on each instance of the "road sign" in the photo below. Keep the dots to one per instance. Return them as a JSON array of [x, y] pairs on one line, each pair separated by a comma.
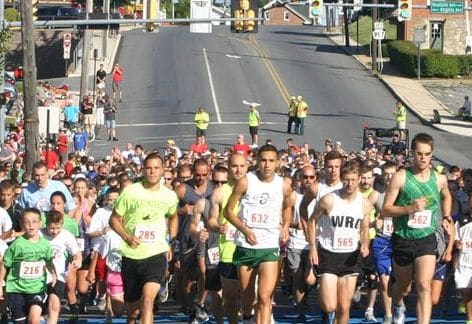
[[419, 36], [447, 7], [378, 25], [66, 44], [378, 34]]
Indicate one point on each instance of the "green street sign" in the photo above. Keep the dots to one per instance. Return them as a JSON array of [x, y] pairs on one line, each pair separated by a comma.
[[447, 7]]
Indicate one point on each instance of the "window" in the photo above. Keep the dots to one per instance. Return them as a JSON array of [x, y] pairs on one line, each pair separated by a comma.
[[267, 15], [286, 15]]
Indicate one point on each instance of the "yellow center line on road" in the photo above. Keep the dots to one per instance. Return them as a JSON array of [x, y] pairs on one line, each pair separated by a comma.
[[266, 60], [272, 71]]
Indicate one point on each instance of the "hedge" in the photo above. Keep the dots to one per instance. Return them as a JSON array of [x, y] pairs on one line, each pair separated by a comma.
[[404, 56]]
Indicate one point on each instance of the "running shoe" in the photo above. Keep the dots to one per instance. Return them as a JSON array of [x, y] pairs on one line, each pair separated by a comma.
[[102, 304], [369, 315], [399, 314], [387, 320], [201, 313], [164, 291]]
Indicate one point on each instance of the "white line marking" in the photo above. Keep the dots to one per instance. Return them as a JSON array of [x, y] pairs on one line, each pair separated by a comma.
[[212, 88], [233, 56], [191, 123]]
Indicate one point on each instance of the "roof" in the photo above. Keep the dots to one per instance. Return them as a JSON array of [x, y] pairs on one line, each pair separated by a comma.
[[300, 9]]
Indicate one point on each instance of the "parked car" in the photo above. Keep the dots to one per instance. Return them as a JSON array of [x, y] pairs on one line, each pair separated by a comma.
[[57, 13]]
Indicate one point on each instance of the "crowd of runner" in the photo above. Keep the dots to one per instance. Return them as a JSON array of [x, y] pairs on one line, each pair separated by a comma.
[[228, 227]]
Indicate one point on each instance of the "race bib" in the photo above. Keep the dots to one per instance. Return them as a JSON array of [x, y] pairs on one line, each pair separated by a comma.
[[257, 220], [31, 269], [214, 255], [146, 233], [387, 227], [81, 243], [345, 239], [421, 219], [230, 234], [467, 246]]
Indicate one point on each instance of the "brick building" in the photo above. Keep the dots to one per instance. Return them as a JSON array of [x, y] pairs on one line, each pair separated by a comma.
[[280, 13], [446, 32]]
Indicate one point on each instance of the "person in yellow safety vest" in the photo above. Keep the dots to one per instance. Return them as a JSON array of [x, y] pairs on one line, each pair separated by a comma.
[[302, 111], [202, 119], [254, 121], [292, 115], [400, 115]]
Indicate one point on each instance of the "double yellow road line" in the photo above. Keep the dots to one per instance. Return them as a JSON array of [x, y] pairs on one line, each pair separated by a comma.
[[272, 71]]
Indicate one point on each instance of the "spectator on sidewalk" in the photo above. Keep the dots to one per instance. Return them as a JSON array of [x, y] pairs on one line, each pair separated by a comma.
[[71, 114], [171, 148], [466, 108], [117, 75], [99, 116], [199, 147], [88, 113], [101, 77], [80, 141], [110, 117], [50, 158], [63, 145]]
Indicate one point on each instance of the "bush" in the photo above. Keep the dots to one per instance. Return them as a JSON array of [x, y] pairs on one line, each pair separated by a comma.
[[404, 56], [465, 64], [439, 65], [11, 14]]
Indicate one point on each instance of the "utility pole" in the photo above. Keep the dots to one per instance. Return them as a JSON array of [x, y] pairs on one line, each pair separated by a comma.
[[29, 64], [346, 27], [375, 14], [86, 49]]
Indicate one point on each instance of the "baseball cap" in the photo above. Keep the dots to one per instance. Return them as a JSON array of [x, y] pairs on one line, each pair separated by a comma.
[[292, 98], [339, 143], [299, 98], [170, 142]]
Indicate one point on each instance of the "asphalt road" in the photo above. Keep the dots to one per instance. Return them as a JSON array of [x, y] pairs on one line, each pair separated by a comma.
[[167, 75]]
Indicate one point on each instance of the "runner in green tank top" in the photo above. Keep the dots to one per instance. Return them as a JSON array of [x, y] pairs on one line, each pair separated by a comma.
[[218, 223], [419, 227], [413, 200]]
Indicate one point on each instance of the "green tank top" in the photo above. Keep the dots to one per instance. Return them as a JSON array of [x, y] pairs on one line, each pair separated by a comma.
[[227, 247], [414, 189]]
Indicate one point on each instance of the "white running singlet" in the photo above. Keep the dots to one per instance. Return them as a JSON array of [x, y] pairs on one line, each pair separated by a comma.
[[339, 230], [261, 211]]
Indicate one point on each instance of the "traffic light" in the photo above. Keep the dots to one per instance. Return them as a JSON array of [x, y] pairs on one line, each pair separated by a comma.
[[244, 9], [404, 10], [315, 8]]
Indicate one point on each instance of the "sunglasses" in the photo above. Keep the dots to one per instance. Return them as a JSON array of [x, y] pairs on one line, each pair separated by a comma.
[[311, 177], [167, 179], [218, 182]]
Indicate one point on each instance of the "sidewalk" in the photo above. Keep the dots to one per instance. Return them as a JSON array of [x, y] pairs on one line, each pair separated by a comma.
[[410, 91]]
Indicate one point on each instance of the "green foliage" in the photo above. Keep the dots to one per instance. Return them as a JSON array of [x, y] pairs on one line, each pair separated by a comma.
[[465, 64], [11, 14], [182, 9], [365, 30], [439, 65], [404, 56]]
